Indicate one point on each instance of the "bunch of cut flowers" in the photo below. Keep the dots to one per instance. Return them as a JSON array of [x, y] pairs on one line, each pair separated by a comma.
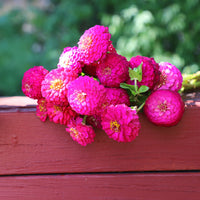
[[95, 87]]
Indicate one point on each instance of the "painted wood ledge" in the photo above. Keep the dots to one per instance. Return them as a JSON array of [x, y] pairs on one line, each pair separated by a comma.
[[29, 146]]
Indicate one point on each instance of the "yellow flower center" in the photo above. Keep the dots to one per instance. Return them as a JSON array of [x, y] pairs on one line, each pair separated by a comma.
[[163, 79], [42, 106], [86, 42], [74, 132], [57, 108], [115, 126], [163, 107], [80, 96], [107, 70], [56, 84]]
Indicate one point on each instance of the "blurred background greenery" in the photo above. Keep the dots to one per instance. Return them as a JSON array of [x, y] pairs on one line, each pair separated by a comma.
[[34, 32]]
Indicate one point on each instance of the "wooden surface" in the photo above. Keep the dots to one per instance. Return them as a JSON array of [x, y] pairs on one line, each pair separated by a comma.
[[151, 186], [40, 161]]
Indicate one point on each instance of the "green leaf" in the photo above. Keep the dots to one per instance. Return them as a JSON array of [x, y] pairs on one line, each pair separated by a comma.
[[127, 86], [132, 88], [136, 73], [143, 88]]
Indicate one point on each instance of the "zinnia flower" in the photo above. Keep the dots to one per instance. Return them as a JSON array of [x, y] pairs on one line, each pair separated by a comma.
[[170, 77], [113, 70], [121, 123], [150, 71], [41, 109], [93, 44], [80, 132], [85, 95], [113, 96], [31, 82], [164, 108], [70, 59], [54, 86], [60, 114]]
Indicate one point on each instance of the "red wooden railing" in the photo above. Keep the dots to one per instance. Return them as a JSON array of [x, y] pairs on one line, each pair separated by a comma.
[[40, 161]]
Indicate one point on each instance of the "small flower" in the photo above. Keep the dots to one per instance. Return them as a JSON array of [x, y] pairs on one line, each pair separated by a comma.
[[164, 108], [121, 123], [93, 44], [70, 59], [60, 114], [54, 86], [113, 70], [170, 77], [85, 95], [31, 82], [80, 132], [41, 110], [150, 71]]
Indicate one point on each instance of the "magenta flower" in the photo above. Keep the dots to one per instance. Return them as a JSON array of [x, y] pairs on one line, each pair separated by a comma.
[[113, 70], [113, 96], [93, 44], [85, 95], [150, 71], [54, 86], [41, 109], [60, 114], [31, 82], [70, 59], [80, 132], [170, 77], [121, 123], [164, 108]]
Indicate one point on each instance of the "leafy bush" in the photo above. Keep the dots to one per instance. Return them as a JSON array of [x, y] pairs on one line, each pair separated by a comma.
[[167, 30]]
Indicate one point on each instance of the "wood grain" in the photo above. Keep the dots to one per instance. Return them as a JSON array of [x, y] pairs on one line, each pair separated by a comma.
[[152, 186], [29, 146]]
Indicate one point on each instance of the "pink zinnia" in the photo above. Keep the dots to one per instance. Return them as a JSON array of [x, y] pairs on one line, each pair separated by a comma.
[[80, 132], [41, 109], [121, 123], [150, 71], [60, 114], [170, 77], [113, 70], [164, 108], [70, 59], [31, 82], [54, 87], [113, 96], [93, 44], [85, 95]]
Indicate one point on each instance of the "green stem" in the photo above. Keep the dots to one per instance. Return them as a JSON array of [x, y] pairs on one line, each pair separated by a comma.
[[84, 119], [141, 106], [191, 82], [135, 85]]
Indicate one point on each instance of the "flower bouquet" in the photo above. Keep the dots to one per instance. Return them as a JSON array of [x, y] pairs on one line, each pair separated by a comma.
[[95, 87]]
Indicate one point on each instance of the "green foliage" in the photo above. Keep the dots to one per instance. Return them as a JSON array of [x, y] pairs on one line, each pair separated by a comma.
[[167, 30]]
